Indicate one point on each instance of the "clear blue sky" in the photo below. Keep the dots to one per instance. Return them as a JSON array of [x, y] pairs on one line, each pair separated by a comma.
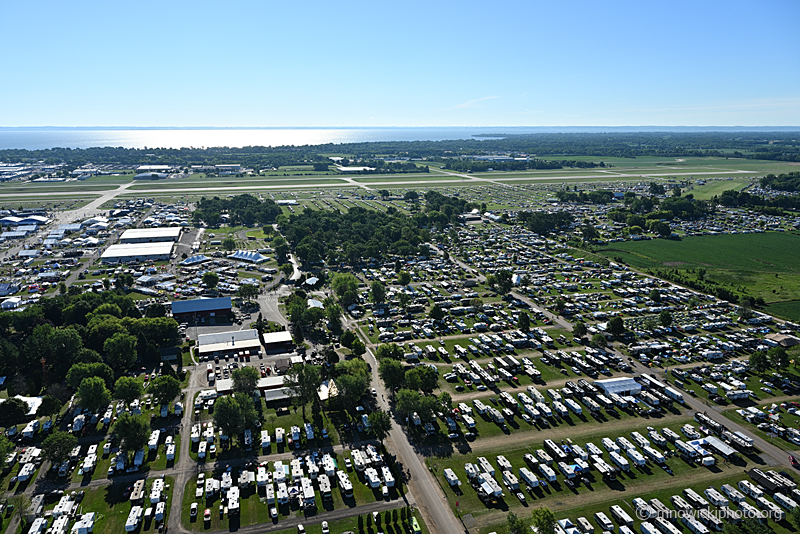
[[410, 63]]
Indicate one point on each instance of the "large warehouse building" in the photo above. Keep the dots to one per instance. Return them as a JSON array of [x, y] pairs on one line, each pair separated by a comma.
[[137, 252], [189, 310], [151, 235]]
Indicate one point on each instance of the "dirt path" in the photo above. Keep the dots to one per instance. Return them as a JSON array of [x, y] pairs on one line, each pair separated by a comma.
[[613, 427]]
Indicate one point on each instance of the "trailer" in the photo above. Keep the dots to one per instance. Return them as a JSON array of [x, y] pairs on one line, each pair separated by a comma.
[[621, 462], [636, 457], [605, 401], [787, 483], [510, 480], [686, 449], [624, 444], [585, 526], [606, 471], [503, 463], [485, 466], [716, 497], [681, 505], [573, 406], [708, 422], [547, 472], [566, 470], [544, 409], [555, 451], [660, 508], [665, 527], [670, 435], [560, 409], [732, 493], [593, 449], [490, 485], [694, 498], [579, 453], [528, 477], [743, 445], [766, 481], [657, 438], [451, 477], [750, 489], [654, 455], [620, 515], [648, 528], [785, 502], [345, 485], [610, 446], [674, 394], [543, 457], [710, 520], [775, 513], [535, 394]]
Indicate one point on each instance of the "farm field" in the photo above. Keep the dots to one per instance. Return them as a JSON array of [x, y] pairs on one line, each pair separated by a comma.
[[763, 264]]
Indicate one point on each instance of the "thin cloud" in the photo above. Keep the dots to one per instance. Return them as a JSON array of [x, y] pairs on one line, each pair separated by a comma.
[[471, 103]]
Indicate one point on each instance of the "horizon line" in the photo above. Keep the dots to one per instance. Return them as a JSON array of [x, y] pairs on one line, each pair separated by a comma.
[[655, 127]]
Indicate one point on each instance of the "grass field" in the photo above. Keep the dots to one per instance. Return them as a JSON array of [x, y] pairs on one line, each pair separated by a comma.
[[765, 265], [716, 187]]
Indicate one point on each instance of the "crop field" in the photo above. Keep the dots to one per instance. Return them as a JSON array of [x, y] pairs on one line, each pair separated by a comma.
[[766, 265]]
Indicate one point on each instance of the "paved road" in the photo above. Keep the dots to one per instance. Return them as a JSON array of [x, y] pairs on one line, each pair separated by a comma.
[[422, 485]]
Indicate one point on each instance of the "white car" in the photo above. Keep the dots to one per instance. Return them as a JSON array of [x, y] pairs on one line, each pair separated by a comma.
[[374, 392], [193, 510], [325, 529], [273, 513]]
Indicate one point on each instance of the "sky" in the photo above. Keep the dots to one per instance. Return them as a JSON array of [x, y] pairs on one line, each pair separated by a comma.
[[411, 63]]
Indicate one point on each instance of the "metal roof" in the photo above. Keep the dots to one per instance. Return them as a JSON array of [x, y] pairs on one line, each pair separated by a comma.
[[244, 255], [201, 305]]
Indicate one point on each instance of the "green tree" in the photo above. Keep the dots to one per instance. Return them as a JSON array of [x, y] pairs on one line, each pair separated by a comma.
[[228, 416], [128, 389], [794, 517], [392, 373], [599, 340], [210, 279], [655, 295], [589, 233], [515, 524], [120, 350], [616, 326], [133, 431], [229, 243], [164, 389], [437, 314], [358, 348], [93, 394], [58, 445], [14, 412], [248, 292], [347, 338], [49, 407], [778, 358], [504, 282], [377, 293], [524, 322], [665, 318], [6, 448], [403, 278], [302, 381], [579, 330], [79, 371], [245, 380], [392, 351], [351, 389], [423, 378], [544, 520], [380, 424], [345, 286]]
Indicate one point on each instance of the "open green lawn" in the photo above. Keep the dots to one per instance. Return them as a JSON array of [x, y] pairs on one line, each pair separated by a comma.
[[761, 264], [716, 187]]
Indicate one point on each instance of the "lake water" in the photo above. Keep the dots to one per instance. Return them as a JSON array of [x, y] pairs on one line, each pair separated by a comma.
[[35, 139]]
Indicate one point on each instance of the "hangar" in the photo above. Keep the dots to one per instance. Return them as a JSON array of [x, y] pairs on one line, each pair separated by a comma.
[[151, 235], [137, 252]]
